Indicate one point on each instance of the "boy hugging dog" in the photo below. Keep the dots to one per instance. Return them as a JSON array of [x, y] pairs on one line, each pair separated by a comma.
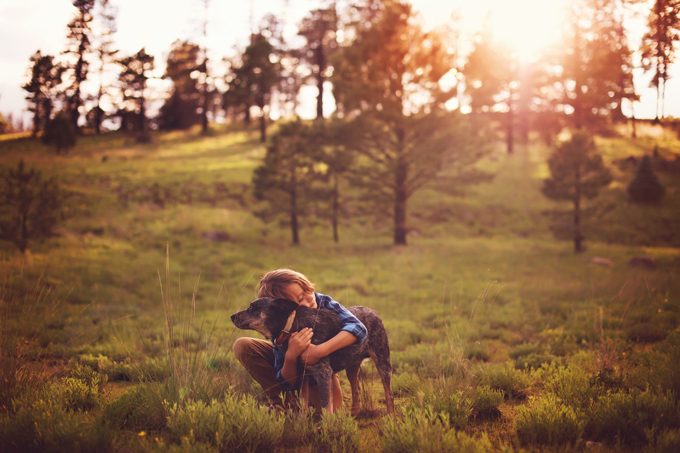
[[311, 335]]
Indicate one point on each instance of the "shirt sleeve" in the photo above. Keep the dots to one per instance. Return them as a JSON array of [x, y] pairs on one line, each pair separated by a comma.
[[350, 323], [279, 358]]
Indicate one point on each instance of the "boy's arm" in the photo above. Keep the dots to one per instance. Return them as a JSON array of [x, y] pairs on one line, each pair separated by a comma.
[[352, 331], [298, 342]]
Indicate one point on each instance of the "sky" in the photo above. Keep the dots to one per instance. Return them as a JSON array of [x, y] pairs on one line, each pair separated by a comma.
[[29, 25]]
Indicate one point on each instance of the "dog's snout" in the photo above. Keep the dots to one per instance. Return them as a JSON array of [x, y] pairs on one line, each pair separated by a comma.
[[233, 317]]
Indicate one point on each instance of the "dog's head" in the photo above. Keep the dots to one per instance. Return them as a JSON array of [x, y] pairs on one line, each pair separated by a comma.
[[266, 315]]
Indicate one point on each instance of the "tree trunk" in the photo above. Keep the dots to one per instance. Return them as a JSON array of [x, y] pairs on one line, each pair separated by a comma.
[[632, 119], [293, 211], [401, 173], [204, 116], [336, 206], [578, 238], [321, 62], [510, 138]]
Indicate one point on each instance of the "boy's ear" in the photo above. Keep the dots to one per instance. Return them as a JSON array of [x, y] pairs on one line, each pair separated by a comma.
[[285, 305]]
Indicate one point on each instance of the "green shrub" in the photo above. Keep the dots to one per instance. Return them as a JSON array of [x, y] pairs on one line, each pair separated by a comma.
[[425, 431], [407, 382], [454, 405], [645, 186], [339, 432], [231, 425], [60, 133], [300, 430], [140, 408], [630, 417], [477, 351], [574, 387], [549, 422], [77, 394], [512, 382], [46, 422], [486, 402], [525, 349], [666, 442], [534, 361]]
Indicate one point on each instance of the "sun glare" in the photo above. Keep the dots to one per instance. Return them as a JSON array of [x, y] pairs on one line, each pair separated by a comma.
[[526, 26]]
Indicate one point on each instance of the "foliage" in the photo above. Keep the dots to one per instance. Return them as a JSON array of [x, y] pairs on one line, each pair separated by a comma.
[[645, 186], [486, 402], [78, 45], [233, 424], [571, 386], [180, 110], [60, 133], [659, 44], [140, 408], [30, 206], [512, 382], [105, 12], [577, 173], [424, 430], [549, 422], [387, 83], [42, 88], [56, 419], [635, 416], [339, 432], [454, 405], [133, 79], [286, 178]]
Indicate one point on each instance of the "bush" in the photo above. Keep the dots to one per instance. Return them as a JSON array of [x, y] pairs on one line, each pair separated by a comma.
[[512, 382], [59, 132], [534, 361], [53, 420], [549, 422], [453, 405], [525, 349], [573, 387], [645, 186], [425, 431], [633, 417], [486, 403], [232, 425], [140, 408], [339, 432], [30, 207]]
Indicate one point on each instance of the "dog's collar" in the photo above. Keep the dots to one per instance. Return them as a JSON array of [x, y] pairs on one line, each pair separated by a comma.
[[285, 333]]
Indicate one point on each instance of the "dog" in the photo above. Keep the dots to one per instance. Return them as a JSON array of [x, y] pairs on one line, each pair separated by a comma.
[[278, 318]]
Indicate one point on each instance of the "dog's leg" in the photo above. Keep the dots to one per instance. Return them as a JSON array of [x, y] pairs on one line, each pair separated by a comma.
[[324, 379], [304, 395], [353, 378], [384, 366]]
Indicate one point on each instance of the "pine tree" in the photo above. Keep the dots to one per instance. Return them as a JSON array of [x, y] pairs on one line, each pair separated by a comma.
[[133, 78], [79, 45], [659, 44], [577, 173], [387, 84], [30, 207], [646, 187], [106, 14], [59, 132], [181, 109], [42, 88], [285, 180]]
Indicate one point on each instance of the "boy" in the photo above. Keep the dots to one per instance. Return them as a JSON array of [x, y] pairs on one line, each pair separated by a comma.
[[275, 371]]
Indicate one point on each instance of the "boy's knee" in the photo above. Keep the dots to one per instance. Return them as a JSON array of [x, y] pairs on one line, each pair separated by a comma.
[[241, 345]]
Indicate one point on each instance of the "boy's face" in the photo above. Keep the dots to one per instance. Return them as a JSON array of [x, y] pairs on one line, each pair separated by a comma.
[[299, 296]]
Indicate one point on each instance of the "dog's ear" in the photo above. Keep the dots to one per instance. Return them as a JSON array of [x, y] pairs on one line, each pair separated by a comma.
[[284, 305]]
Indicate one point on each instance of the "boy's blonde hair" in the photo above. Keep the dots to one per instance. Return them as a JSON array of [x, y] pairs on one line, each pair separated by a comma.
[[273, 283]]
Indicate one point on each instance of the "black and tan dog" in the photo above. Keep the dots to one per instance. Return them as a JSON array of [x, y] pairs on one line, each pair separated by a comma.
[[274, 318]]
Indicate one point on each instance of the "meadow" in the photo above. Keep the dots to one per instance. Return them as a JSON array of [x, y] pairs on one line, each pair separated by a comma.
[[115, 333]]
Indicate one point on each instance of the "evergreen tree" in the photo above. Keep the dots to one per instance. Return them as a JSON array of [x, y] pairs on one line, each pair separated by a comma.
[[659, 44], [106, 54], [577, 173], [42, 88], [133, 78], [30, 207], [182, 109], [285, 180], [646, 187], [319, 28], [596, 62], [59, 132], [79, 45], [387, 84]]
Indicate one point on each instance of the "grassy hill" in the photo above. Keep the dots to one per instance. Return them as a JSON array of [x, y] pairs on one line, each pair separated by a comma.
[[483, 302]]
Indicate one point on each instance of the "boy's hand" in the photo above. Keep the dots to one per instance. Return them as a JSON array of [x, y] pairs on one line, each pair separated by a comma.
[[312, 355], [299, 342]]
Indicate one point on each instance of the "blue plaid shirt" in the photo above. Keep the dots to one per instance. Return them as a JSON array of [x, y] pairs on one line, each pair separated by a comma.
[[349, 323]]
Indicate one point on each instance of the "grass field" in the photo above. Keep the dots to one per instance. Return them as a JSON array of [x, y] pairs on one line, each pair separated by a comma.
[[502, 338]]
